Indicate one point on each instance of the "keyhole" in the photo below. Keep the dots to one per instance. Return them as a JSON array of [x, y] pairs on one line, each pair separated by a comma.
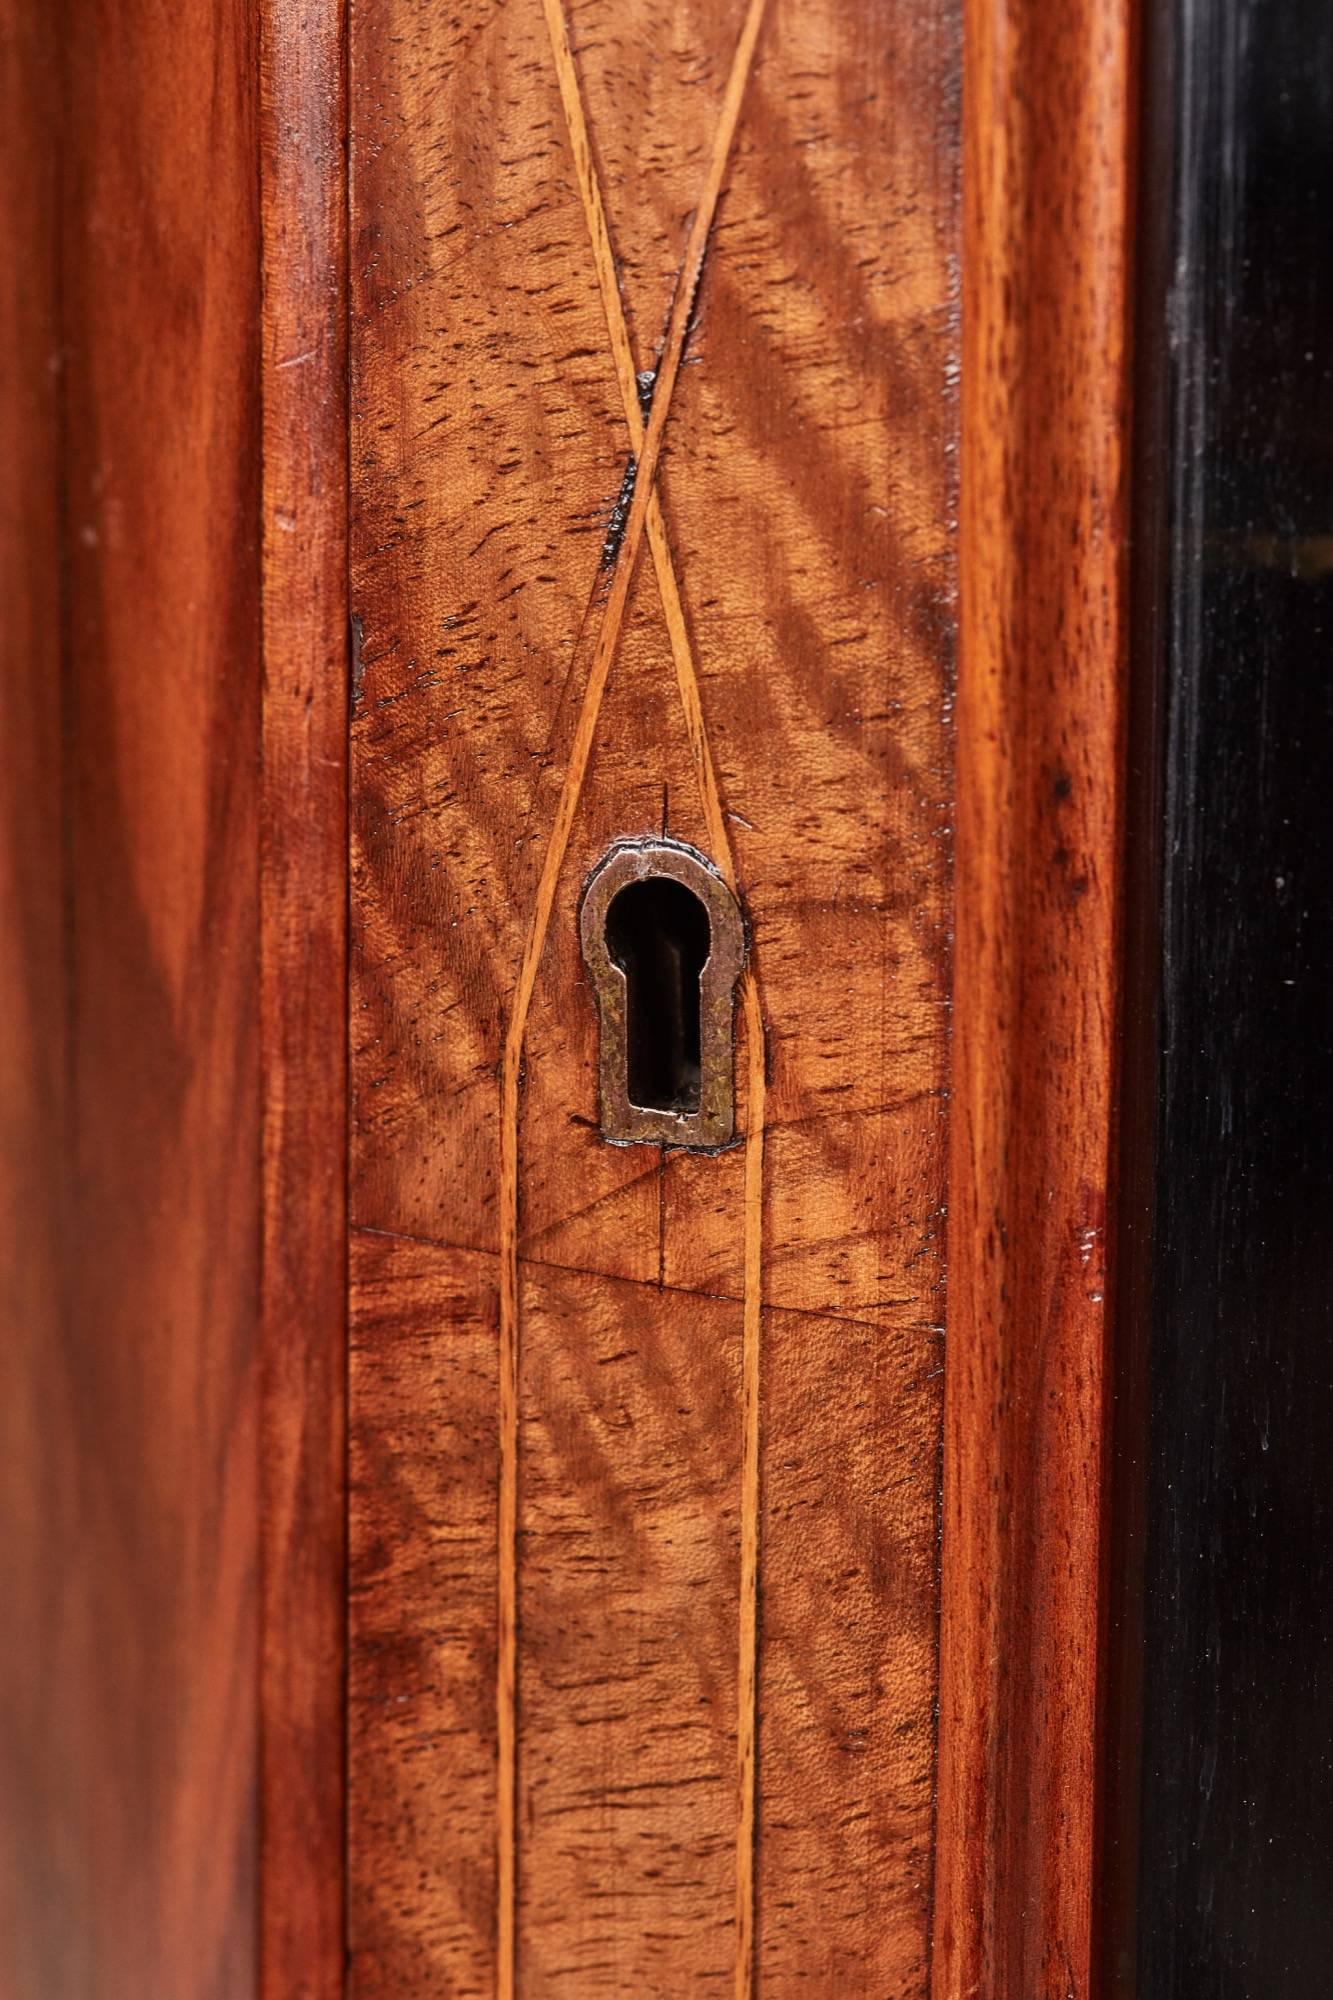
[[657, 932], [664, 942]]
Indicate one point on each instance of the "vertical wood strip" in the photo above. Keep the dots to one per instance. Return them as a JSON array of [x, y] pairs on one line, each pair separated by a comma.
[[607, 640], [687, 681], [39, 1876], [1040, 721], [304, 1000], [128, 404]]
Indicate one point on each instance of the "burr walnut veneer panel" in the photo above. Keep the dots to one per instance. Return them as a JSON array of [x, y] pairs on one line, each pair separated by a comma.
[[645, 1443]]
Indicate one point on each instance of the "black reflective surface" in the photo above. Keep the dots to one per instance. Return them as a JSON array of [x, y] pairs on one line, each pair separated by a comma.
[[1221, 1801]]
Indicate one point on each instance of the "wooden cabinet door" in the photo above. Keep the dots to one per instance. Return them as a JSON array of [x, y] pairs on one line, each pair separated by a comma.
[[654, 345], [562, 882]]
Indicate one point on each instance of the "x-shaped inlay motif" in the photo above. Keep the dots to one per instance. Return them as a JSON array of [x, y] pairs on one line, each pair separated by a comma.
[[644, 519]]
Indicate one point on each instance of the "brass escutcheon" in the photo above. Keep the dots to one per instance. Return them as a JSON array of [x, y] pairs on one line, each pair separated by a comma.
[[664, 942]]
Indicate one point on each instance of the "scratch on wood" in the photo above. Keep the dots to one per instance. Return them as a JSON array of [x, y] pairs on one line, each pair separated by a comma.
[[615, 527], [357, 679]]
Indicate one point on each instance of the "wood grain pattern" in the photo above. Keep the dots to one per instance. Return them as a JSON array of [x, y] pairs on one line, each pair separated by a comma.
[[127, 1682], [1040, 777], [779, 689], [646, 444], [720, 846], [304, 1001], [644, 1445]]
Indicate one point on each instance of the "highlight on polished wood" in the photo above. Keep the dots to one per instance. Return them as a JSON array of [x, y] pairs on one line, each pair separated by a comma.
[[608, 1392]]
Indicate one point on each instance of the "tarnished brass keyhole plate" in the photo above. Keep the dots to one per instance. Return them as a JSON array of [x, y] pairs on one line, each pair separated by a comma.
[[664, 941]]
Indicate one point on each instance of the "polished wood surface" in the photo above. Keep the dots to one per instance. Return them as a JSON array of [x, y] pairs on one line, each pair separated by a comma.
[[1040, 773], [131, 654], [304, 1001], [644, 1444], [452, 1553]]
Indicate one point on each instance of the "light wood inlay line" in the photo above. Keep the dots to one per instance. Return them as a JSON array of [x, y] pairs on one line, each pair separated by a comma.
[[604, 651], [687, 682], [747, 1693]]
